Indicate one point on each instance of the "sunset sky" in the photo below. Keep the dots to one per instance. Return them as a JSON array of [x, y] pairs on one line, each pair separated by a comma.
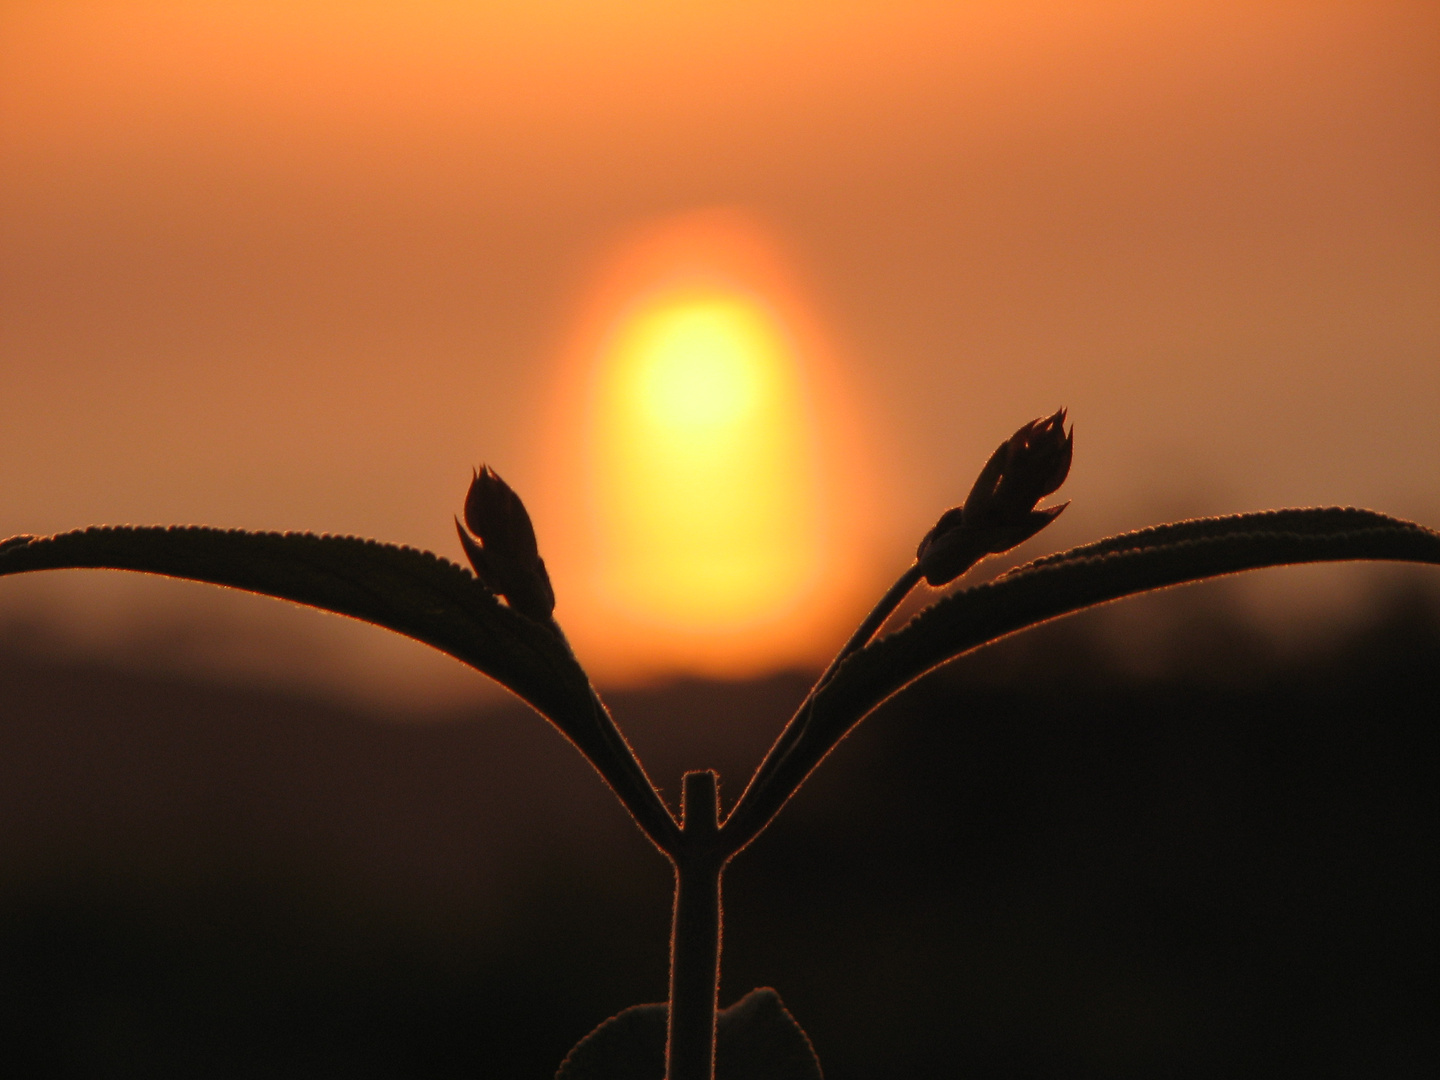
[[302, 265]]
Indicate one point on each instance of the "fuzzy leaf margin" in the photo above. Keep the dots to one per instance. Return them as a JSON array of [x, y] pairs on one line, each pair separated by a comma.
[[1067, 582], [415, 593], [1114, 568]]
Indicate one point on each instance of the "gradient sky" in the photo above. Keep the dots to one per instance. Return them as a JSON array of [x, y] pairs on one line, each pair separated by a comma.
[[302, 265]]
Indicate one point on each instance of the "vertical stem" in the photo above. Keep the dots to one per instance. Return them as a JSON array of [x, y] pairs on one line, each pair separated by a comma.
[[695, 936]]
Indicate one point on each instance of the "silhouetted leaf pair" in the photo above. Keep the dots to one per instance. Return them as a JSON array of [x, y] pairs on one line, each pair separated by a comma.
[[518, 644]]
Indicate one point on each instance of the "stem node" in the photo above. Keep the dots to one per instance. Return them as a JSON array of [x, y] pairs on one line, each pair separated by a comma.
[[695, 934]]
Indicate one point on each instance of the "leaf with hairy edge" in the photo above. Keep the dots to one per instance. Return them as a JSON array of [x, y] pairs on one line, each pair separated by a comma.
[[628, 1046], [1114, 568], [1308, 521], [1070, 581], [755, 1039], [758, 1039], [412, 592]]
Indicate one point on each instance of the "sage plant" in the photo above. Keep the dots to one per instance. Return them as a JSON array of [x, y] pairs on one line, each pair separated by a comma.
[[499, 620]]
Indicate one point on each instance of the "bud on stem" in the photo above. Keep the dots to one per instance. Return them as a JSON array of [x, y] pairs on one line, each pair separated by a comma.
[[501, 546], [999, 513]]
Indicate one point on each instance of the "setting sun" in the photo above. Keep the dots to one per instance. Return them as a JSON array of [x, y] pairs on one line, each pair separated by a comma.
[[704, 471], [709, 482]]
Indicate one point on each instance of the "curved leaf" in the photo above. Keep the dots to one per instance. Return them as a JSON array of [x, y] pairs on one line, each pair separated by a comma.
[[755, 1039], [628, 1046], [415, 593], [758, 1039], [1122, 566], [1067, 582], [412, 592]]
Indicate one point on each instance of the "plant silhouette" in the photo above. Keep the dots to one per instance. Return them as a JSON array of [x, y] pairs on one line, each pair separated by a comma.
[[499, 621]]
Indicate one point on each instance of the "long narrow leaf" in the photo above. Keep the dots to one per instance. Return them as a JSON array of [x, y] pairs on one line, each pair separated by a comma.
[[1071, 581], [412, 592], [1113, 568]]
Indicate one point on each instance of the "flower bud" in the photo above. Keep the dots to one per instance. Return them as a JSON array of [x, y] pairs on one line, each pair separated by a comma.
[[501, 546], [999, 513], [1025, 468]]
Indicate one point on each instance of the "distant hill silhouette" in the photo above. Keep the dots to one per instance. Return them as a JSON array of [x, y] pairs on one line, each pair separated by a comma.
[[1034, 864]]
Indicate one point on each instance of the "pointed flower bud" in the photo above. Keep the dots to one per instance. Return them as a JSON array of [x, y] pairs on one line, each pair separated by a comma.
[[999, 512], [500, 543], [1025, 468]]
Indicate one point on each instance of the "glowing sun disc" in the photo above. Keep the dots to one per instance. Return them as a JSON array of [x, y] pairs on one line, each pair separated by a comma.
[[703, 477], [707, 485]]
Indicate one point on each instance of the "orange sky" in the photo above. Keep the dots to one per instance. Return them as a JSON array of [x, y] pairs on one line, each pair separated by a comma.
[[301, 265]]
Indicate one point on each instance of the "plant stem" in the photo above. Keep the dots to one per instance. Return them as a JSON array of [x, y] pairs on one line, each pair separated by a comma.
[[873, 622], [695, 935], [761, 799], [621, 769]]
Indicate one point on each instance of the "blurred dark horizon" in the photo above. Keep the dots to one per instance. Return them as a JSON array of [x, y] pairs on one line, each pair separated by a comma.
[[1060, 856]]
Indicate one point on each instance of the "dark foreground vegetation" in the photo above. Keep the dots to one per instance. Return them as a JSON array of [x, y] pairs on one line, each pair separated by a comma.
[[1036, 863]]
